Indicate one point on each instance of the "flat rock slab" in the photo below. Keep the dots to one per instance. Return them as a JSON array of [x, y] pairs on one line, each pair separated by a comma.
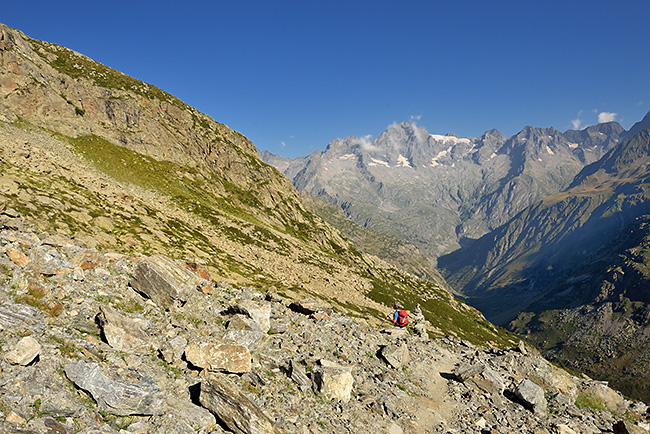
[[17, 316], [165, 281], [220, 396], [223, 357], [130, 393]]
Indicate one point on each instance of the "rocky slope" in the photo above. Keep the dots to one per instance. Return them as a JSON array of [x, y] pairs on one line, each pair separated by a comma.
[[439, 191], [596, 320], [95, 341], [88, 152]]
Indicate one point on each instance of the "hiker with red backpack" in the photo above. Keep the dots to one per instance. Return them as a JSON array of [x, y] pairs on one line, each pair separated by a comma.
[[399, 316]]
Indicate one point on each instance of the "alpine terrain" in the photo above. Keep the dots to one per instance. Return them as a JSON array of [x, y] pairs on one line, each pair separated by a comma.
[[157, 277]]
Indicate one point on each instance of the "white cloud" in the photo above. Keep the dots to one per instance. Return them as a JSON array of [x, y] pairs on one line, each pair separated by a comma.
[[606, 117], [366, 143], [577, 122], [283, 144], [415, 118]]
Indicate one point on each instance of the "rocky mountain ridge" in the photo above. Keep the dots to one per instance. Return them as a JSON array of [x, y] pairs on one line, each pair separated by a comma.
[[438, 191], [101, 342]]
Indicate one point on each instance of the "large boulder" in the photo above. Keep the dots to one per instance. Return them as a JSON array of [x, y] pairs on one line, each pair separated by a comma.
[[129, 393], [333, 382], [165, 281], [173, 350], [219, 395], [225, 357], [396, 355], [532, 395], [259, 313]]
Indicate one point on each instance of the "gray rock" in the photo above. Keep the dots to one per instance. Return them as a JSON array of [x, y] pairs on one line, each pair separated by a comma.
[[299, 376], [26, 350], [251, 339], [532, 395], [481, 377], [309, 306], [333, 383], [220, 396], [16, 316], [260, 313], [173, 349], [47, 261], [396, 355], [136, 394], [164, 281], [122, 333], [197, 417], [242, 322]]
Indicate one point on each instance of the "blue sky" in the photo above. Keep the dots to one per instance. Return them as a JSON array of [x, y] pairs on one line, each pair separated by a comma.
[[295, 75]]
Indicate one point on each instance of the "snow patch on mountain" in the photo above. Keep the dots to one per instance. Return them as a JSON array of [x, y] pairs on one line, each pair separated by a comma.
[[376, 162], [434, 160], [402, 161], [449, 139]]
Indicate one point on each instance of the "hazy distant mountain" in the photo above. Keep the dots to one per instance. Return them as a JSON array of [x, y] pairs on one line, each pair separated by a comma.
[[436, 191]]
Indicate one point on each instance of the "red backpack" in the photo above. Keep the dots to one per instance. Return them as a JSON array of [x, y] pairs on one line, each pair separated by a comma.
[[402, 321]]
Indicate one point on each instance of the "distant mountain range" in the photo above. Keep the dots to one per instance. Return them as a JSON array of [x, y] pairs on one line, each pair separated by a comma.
[[440, 192]]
